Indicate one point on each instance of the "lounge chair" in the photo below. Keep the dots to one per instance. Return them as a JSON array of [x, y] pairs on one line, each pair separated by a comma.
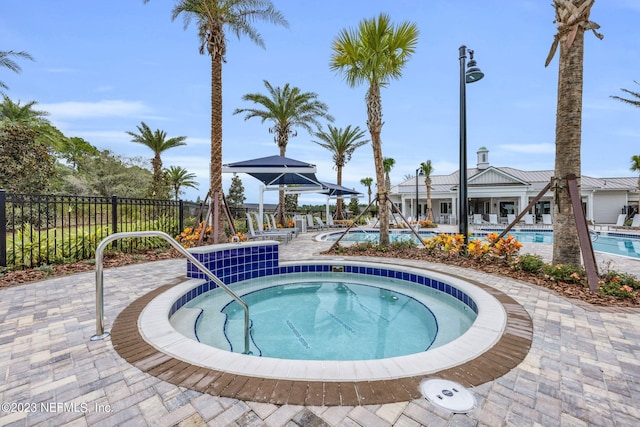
[[493, 219], [271, 222], [635, 223], [311, 224], [546, 219], [511, 218], [320, 223], [477, 219], [265, 234], [528, 219], [272, 228], [620, 221]]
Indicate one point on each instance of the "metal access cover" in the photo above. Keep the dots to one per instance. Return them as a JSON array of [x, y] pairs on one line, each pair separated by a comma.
[[448, 395]]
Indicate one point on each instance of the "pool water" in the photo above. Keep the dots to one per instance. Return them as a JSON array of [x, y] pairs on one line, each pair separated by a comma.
[[612, 244], [337, 317]]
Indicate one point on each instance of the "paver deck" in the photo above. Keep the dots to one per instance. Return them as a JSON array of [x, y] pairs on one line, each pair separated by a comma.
[[582, 368]]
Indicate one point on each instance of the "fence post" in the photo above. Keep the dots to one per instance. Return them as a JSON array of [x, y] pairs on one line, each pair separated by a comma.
[[180, 216], [114, 219], [3, 228]]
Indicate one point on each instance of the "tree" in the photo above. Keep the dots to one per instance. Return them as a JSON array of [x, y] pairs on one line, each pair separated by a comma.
[[178, 178], [367, 182], [73, 149], [341, 143], [287, 108], [158, 143], [387, 164], [7, 62], [236, 197], [375, 53], [27, 165], [427, 170], [214, 18], [572, 19], [634, 102], [635, 167], [12, 113], [354, 205], [107, 174]]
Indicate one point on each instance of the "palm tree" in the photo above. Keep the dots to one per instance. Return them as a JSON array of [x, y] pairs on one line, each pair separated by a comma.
[[158, 143], [24, 115], [341, 143], [572, 18], [387, 164], [7, 62], [634, 102], [427, 170], [287, 108], [375, 53], [367, 182], [214, 19], [179, 177], [635, 167]]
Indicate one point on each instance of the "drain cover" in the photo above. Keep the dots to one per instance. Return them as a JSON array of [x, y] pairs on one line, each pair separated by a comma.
[[448, 395]]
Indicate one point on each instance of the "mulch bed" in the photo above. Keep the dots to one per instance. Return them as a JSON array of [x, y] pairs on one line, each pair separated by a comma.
[[579, 291], [111, 259]]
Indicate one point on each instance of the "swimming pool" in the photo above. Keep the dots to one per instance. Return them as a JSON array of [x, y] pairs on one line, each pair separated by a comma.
[[610, 242], [331, 316]]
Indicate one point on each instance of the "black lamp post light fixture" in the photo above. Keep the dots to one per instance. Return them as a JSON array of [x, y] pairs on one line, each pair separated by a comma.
[[468, 74], [418, 173]]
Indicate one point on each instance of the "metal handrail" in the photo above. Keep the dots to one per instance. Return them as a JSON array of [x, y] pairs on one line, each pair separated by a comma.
[[101, 334]]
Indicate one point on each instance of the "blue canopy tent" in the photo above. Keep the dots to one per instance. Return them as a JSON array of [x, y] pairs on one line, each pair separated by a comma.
[[277, 173], [294, 176]]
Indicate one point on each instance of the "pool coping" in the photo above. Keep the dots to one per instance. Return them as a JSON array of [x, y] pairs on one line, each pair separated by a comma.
[[222, 375]]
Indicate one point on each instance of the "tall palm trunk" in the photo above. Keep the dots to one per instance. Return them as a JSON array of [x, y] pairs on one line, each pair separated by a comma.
[[283, 139], [339, 199], [566, 248], [216, 141], [429, 210], [374, 123]]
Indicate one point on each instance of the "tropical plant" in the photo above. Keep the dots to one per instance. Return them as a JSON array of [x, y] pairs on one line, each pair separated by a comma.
[[341, 143], [427, 170], [24, 115], [287, 108], [635, 102], [27, 165], [178, 178], [7, 62], [158, 143], [572, 19], [387, 164], [635, 167], [375, 53], [214, 19], [367, 182]]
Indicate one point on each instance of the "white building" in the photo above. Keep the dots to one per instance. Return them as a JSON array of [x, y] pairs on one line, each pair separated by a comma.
[[504, 190]]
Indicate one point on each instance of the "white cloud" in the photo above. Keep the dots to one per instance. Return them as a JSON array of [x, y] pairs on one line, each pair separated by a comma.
[[106, 108], [544, 148]]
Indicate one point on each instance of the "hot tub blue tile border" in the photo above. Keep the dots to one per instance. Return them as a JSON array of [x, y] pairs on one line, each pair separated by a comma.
[[238, 264]]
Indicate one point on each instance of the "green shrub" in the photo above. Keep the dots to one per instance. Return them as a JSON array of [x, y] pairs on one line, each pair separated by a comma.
[[563, 273], [529, 263]]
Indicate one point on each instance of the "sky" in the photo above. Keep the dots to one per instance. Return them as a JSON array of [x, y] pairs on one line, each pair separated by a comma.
[[103, 67]]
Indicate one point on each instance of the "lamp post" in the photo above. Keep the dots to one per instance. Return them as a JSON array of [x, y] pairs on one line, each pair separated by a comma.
[[418, 173], [469, 75]]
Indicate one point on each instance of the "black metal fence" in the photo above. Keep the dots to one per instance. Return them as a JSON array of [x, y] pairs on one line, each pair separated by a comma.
[[37, 229]]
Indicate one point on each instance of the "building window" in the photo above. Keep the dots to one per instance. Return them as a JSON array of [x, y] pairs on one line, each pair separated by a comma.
[[445, 207], [507, 208]]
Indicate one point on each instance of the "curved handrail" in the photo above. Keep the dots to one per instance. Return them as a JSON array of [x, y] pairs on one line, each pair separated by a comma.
[[101, 334]]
